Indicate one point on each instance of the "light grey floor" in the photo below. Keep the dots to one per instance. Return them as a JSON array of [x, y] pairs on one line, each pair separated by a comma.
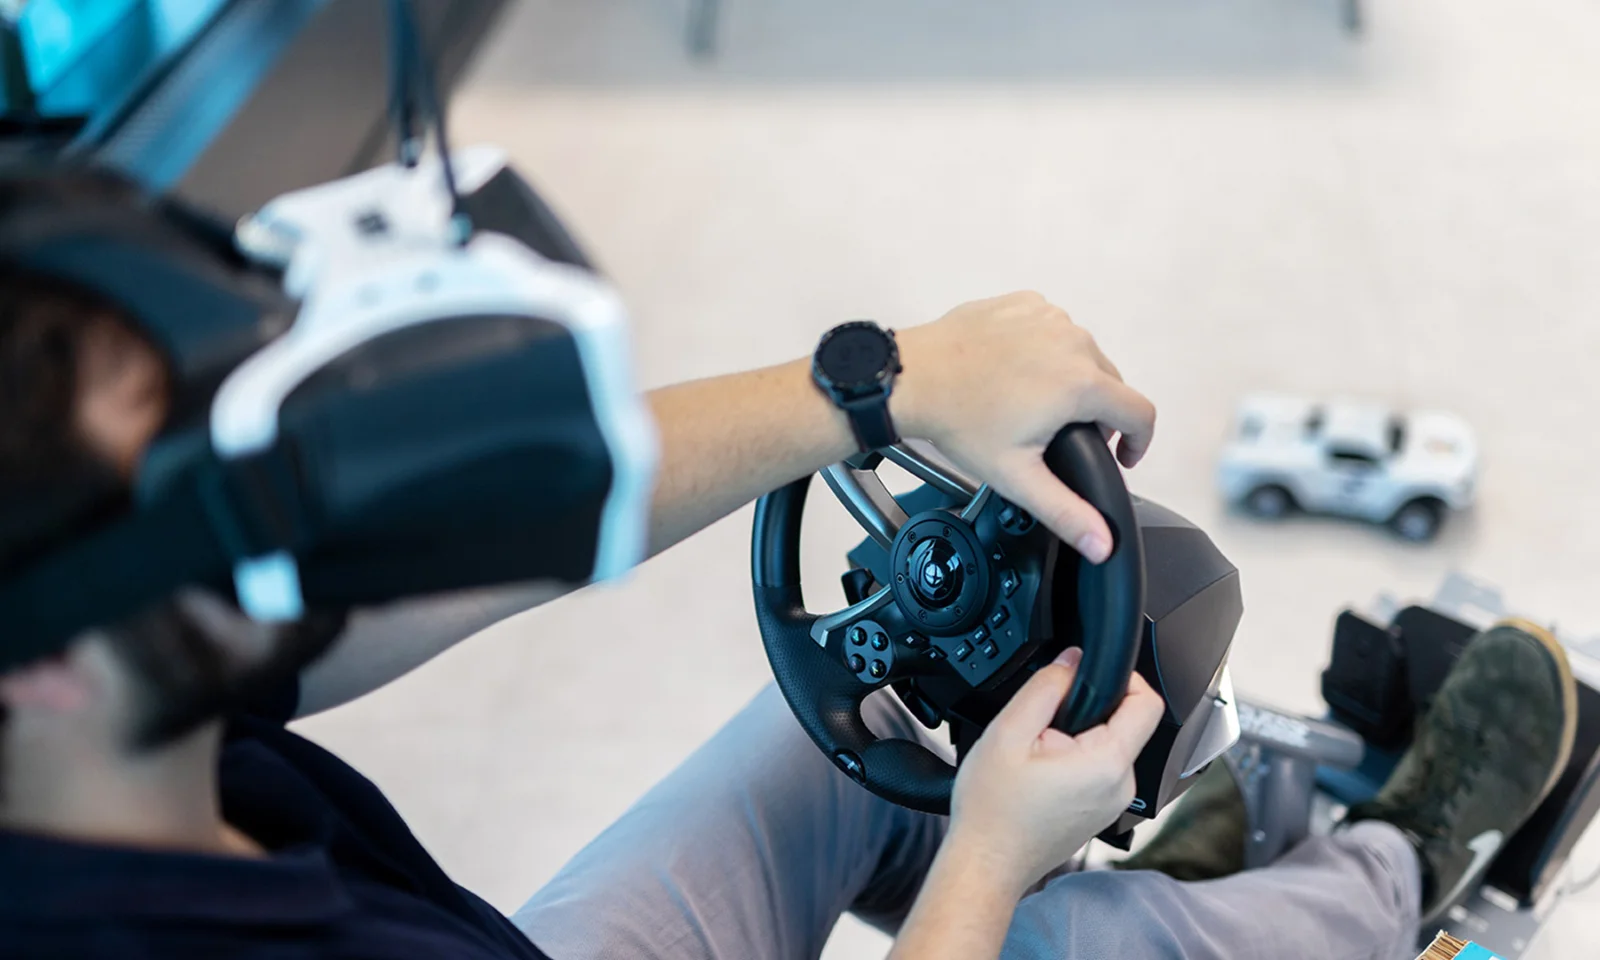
[[1231, 193]]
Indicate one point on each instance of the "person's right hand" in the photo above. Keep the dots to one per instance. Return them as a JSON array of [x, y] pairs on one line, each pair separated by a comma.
[[1028, 796], [993, 381]]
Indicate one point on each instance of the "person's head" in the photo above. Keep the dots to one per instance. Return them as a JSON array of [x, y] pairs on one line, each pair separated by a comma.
[[83, 392]]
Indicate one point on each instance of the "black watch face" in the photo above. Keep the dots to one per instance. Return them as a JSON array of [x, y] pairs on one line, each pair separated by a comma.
[[854, 356]]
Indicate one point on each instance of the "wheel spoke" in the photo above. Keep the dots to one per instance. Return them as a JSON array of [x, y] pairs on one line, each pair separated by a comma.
[[825, 626], [922, 460], [980, 499], [867, 500]]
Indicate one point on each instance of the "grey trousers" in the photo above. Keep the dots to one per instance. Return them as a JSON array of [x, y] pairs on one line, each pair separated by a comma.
[[756, 845]]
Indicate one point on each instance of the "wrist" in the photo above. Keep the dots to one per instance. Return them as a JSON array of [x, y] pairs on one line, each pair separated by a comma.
[[985, 862], [908, 403], [836, 437], [963, 910]]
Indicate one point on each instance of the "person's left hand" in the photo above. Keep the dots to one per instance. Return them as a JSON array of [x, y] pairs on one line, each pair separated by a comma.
[[1028, 796]]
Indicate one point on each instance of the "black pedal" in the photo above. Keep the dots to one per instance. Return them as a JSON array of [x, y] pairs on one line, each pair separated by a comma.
[[1433, 643], [1365, 684]]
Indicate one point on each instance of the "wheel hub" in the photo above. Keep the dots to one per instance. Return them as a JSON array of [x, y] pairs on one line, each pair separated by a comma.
[[941, 574]]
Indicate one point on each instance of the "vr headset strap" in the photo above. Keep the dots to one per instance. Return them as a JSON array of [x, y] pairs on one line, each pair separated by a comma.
[[150, 554]]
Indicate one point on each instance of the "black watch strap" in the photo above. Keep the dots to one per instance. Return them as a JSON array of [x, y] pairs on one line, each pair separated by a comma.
[[871, 423]]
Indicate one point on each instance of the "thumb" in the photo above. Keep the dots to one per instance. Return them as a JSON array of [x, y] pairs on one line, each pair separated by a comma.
[[1068, 515], [1033, 707]]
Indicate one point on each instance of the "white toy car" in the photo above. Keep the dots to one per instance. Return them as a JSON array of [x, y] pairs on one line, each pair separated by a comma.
[[1350, 458]]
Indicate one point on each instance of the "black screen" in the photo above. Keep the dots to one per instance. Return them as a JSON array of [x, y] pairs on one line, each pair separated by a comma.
[[854, 356]]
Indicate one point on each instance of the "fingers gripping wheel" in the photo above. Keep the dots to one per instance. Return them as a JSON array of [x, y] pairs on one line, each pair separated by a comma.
[[1110, 595], [960, 610]]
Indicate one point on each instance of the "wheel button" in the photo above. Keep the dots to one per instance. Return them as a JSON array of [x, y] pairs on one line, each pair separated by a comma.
[[998, 617], [856, 663], [878, 669], [858, 635], [990, 650], [996, 554], [880, 641], [915, 640], [1009, 582], [934, 653], [851, 765], [981, 634], [964, 651], [1015, 520]]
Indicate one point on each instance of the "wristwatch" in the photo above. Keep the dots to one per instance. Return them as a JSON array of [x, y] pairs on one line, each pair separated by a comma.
[[855, 366]]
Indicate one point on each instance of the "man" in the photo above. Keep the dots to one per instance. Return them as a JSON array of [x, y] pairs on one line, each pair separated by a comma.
[[136, 822]]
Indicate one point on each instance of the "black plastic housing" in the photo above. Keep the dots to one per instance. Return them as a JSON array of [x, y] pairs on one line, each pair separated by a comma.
[[449, 455], [1365, 682]]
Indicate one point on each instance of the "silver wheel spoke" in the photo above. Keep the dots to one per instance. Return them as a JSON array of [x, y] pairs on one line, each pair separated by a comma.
[[825, 626], [868, 500], [922, 460], [975, 506]]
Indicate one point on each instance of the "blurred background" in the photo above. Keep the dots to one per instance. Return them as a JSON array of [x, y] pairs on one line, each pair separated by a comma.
[[1399, 201]]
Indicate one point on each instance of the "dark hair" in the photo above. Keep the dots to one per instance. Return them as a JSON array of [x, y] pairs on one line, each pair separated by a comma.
[[51, 486]]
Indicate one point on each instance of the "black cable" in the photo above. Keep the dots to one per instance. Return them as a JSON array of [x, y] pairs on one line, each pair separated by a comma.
[[429, 95], [402, 101], [413, 77]]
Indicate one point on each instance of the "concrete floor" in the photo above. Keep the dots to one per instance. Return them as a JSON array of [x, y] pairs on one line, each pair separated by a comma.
[[1233, 194]]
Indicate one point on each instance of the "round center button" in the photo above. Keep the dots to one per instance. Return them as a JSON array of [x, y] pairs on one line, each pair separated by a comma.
[[936, 572], [941, 573]]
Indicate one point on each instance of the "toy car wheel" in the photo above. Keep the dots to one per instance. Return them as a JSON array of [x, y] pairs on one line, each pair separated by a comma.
[[1418, 521], [1269, 502]]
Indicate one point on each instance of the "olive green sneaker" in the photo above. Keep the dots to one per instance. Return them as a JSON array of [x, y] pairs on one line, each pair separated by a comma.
[[1491, 746], [1204, 836]]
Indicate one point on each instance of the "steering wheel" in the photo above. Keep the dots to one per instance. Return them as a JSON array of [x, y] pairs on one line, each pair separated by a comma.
[[968, 611]]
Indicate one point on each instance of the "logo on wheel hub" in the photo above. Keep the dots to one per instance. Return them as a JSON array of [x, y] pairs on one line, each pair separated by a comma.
[[936, 571]]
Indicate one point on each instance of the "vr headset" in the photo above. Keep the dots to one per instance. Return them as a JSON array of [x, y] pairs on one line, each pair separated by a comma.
[[372, 401]]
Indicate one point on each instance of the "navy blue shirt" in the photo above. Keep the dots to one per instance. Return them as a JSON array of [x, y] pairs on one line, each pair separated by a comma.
[[344, 878]]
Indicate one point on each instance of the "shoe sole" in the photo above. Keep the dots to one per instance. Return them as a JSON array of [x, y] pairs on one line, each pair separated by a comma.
[[1569, 697]]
